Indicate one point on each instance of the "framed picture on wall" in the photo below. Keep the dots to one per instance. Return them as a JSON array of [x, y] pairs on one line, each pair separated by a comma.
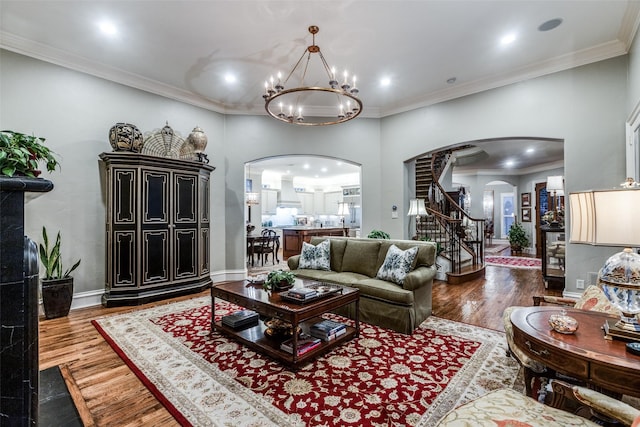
[[526, 214], [526, 200]]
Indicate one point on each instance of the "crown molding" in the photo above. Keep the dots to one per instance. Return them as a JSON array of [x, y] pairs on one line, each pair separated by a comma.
[[561, 63]]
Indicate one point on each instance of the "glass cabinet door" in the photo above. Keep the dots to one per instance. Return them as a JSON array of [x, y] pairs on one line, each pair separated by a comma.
[[553, 254]]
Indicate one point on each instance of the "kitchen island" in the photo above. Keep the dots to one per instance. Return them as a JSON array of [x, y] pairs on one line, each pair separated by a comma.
[[293, 237]]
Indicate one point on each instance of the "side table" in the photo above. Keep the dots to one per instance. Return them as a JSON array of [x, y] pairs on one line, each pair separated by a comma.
[[585, 355]]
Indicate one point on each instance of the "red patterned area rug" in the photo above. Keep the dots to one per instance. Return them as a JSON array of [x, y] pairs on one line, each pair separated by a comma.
[[382, 378], [513, 262]]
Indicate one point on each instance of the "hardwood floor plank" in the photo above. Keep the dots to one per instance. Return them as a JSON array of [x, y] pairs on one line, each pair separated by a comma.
[[115, 397]]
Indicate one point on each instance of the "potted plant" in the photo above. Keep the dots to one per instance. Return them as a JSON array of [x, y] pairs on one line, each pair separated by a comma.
[[279, 280], [20, 154], [378, 234], [57, 286], [517, 237]]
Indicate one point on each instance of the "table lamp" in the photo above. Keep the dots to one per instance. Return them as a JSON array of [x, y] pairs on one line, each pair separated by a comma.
[[609, 218], [555, 187], [416, 208]]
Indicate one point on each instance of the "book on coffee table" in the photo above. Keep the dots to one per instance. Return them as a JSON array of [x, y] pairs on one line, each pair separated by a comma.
[[305, 343], [241, 319], [327, 329]]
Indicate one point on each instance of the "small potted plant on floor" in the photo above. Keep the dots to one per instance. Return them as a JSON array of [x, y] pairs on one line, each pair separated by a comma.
[[517, 238], [20, 154], [57, 287], [279, 280]]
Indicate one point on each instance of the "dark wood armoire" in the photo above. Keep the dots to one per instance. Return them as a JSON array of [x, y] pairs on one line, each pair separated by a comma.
[[157, 227]]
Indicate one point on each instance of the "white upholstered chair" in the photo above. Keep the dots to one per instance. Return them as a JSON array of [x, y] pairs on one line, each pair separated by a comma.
[[507, 407]]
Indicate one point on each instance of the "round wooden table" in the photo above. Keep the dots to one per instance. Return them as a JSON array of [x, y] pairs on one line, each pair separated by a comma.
[[585, 355]]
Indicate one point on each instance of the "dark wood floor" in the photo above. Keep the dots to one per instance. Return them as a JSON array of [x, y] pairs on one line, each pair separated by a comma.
[[112, 395]]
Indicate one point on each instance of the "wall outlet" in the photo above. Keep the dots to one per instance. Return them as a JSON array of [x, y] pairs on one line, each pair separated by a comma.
[[579, 283]]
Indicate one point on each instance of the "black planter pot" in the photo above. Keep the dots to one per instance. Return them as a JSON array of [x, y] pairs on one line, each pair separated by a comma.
[[57, 295]]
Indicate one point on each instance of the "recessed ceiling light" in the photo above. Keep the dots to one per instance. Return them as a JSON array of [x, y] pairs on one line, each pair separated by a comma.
[[385, 81], [508, 39], [323, 170], [550, 24], [306, 166], [451, 80], [530, 150], [229, 78], [108, 28], [509, 163]]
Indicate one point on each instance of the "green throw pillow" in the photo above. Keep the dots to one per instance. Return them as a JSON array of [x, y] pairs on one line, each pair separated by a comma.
[[397, 264], [315, 257]]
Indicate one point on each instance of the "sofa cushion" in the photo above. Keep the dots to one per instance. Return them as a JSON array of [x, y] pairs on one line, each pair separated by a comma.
[[321, 275], [397, 264], [426, 251], [315, 257], [361, 257], [338, 246], [384, 291]]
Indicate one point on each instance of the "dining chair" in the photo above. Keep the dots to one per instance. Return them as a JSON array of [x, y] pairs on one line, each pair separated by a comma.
[[266, 245]]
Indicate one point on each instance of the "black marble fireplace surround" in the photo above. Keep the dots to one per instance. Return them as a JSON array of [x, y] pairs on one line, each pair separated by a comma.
[[18, 305]]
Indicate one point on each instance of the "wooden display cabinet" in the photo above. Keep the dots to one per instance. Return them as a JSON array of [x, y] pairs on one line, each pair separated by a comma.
[[157, 228]]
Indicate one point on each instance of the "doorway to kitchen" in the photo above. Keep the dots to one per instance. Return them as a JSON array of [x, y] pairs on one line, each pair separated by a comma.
[[302, 191]]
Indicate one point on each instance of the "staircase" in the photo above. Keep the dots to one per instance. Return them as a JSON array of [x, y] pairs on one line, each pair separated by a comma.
[[460, 237]]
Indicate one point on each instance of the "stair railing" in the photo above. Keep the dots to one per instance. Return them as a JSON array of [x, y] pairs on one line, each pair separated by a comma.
[[458, 230]]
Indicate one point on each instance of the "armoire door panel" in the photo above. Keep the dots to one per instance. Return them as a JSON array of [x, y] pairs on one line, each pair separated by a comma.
[[155, 254], [185, 198], [204, 251], [124, 254], [124, 202], [204, 200], [155, 197], [185, 256]]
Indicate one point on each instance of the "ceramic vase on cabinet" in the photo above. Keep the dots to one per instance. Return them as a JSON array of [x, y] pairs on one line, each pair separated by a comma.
[[126, 137], [198, 141]]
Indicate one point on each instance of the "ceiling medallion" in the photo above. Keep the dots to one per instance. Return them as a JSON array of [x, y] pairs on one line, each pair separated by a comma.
[[287, 104]]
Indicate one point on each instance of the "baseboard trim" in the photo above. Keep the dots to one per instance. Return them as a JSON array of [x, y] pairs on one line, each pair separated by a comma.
[[93, 298]]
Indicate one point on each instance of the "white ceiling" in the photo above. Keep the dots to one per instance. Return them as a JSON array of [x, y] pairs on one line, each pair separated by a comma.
[[185, 49]]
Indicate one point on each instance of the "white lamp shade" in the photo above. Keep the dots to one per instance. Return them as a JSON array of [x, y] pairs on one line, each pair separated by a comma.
[[605, 218], [555, 183], [416, 207]]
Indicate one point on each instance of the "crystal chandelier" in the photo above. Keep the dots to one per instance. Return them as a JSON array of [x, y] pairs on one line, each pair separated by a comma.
[[286, 104]]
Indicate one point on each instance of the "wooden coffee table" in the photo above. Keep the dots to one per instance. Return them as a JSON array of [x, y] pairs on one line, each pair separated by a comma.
[[271, 305], [585, 355]]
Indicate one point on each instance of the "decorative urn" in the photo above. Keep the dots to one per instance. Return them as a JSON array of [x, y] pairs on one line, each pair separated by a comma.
[[126, 137], [198, 139]]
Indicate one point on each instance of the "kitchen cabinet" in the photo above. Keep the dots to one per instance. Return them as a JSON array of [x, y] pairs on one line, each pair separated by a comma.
[[293, 238], [269, 201], [318, 202], [331, 200], [306, 202], [157, 228]]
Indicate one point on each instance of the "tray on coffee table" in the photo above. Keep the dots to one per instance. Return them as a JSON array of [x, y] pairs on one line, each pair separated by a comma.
[[324, 290]]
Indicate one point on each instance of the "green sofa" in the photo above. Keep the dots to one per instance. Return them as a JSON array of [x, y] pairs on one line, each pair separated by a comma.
[[355, 262]]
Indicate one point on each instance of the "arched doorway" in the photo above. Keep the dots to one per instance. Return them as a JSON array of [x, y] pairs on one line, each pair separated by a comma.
[[303, 191]]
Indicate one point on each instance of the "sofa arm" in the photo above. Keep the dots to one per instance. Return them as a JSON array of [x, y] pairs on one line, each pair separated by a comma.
[[419, 277], [293, 262]]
